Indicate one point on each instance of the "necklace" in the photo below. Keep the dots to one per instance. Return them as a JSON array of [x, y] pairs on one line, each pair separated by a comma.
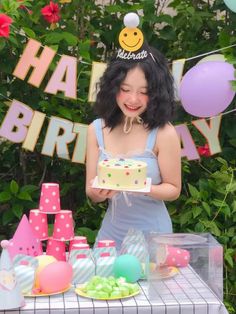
[[129, 123]]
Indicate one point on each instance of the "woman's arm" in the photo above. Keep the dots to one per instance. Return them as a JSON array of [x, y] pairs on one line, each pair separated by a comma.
[[92, 155], [168, 152]]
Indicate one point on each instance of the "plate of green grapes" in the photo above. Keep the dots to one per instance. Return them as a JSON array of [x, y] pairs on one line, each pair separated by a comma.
[[107, 288]]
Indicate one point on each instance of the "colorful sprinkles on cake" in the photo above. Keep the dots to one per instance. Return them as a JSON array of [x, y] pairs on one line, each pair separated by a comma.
[[122, 173]]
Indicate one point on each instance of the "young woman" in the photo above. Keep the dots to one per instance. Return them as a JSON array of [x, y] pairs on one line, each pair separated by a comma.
[[135, 105]]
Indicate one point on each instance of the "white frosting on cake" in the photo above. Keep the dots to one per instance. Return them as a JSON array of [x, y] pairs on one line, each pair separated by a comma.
[[122, 173]]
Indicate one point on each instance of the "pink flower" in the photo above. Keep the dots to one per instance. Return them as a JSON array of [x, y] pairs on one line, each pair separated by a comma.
[[204, 150], [51, 12], [5, 22]]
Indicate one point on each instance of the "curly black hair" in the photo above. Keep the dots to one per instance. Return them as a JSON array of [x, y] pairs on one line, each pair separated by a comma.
[[161, 104]]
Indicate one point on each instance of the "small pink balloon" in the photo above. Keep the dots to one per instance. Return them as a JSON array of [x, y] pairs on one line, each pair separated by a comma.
[[205, 90], [55, 277]]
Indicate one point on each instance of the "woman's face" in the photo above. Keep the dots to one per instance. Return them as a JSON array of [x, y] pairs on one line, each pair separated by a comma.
[[132, 98]]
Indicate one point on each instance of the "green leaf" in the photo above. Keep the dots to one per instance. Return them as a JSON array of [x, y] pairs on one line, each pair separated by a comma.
[[17, 209], [14, 187], [193, 191], [71, 39], [233, 142], [113, 8], [223, 239], [226, 210], [234, 207], [231, 231], [53, 38], [29, 188], [65, 112], [222, 161], [207, 208], [217, 203], [228, 256], [87, 232], [233, 241], [231, 187], [190, 10], [29, 32], [84, 49], [199, 227], [2, 44], [7, 217], [5, 196], [185, 217], [197, 211], [212, 227], [164, 18], [24, 196], [167, 33]]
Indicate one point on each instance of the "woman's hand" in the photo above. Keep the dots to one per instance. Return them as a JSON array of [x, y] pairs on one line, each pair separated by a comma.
[[100, 195]]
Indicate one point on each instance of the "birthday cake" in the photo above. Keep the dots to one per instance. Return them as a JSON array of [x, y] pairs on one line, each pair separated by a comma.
[[122, 173]]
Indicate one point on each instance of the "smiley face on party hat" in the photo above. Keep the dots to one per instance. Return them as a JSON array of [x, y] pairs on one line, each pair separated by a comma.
[[131, 37], [133, 47]]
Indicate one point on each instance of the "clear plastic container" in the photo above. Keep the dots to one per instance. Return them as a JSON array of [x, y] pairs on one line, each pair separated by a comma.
[[201, 252]]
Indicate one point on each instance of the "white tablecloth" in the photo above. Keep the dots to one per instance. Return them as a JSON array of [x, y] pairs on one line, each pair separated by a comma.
[[185, 293]]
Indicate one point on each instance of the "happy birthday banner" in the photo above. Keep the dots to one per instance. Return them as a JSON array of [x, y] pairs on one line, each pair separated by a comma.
[[23, 125]]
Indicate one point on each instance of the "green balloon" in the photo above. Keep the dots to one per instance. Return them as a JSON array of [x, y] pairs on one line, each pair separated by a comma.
[[127, 266], [231, 4]]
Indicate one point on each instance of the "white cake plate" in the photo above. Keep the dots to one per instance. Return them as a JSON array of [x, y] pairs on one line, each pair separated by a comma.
[[144, 190]]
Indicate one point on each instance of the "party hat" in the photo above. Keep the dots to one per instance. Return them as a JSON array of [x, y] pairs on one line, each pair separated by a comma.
[[10, 294], [24, 240], [133, 46]]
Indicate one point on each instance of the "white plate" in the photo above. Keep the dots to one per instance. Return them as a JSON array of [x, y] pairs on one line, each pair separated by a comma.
[[80, 292], [146, 189]]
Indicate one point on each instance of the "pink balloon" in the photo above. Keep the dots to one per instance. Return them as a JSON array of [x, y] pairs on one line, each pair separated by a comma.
[[55, 277], [205, 89]]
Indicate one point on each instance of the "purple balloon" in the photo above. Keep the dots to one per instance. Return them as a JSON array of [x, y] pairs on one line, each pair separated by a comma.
[[205, 90]]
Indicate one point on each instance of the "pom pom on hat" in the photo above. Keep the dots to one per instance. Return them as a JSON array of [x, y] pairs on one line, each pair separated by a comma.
[[4, 244], [131, 20]]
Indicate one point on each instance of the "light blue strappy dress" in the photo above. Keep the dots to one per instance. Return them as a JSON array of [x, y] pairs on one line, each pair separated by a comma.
[[129, 210]]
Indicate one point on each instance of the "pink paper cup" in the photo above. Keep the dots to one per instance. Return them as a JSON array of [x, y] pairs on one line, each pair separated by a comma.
[[39, 224], [172, 256], [63, 226], [77, 240], [56, 249], [106, 243], [49, 202]]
